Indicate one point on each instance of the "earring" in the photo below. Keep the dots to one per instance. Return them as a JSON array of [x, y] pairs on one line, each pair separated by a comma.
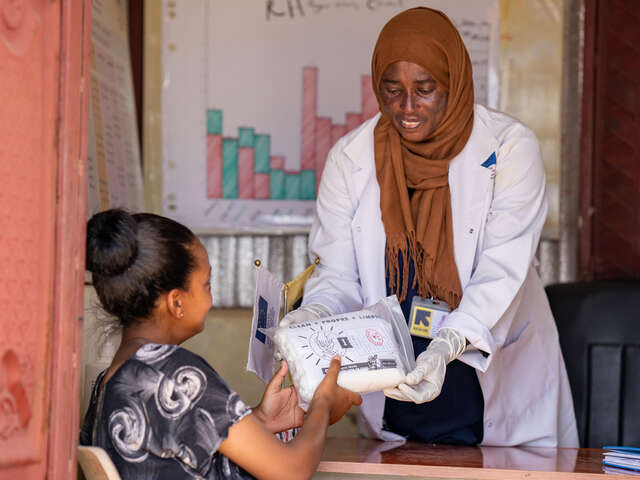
[[181, 315]]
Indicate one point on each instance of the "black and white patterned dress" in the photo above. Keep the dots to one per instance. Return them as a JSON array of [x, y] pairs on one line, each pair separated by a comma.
[[163, 414]]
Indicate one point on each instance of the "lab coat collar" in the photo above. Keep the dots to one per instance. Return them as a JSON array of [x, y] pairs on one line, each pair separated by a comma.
[[359, 148], [481, 144]]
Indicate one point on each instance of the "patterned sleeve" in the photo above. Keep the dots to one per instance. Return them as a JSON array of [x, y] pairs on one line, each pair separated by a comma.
[[187, 406]]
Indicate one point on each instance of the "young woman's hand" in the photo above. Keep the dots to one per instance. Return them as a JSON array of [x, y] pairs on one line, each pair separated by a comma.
[[279, 409], [338, 399], [252, 446]]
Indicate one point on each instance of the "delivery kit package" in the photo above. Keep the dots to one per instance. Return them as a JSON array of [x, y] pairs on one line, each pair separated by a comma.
[[374, 344]]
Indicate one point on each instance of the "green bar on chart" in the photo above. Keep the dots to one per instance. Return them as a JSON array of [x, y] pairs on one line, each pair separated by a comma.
[[307, 185], [276, 185], [262, 151], [214, 121], [292, 186], [229, 168], [246, 137]]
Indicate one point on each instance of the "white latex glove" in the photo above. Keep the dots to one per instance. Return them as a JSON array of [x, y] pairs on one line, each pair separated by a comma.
[[424, 383], [306, 313]]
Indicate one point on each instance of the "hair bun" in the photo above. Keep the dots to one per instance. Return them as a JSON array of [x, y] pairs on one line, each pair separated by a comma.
[[112, 246]]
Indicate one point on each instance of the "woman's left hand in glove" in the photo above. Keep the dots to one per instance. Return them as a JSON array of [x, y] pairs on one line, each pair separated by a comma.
[[424, 383]]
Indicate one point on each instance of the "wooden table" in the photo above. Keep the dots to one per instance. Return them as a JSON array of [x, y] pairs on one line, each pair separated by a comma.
[[352, 458]]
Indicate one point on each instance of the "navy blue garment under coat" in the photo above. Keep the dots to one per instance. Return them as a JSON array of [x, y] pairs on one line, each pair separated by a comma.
[[456, 415]]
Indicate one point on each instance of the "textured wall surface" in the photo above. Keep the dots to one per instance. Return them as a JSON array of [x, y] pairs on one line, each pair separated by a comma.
[[29, 87], [531, 81]]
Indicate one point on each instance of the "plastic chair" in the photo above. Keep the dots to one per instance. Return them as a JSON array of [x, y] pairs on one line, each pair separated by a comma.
[[96, 464], [599, 328]]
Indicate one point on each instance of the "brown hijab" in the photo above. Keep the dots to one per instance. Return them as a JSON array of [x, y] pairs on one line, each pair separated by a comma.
[[421, 228]]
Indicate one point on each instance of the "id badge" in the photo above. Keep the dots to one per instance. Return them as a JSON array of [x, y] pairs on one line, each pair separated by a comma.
[[426, 316]]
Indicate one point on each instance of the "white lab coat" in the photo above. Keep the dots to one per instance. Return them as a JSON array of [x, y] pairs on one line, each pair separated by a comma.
[[498, 214]]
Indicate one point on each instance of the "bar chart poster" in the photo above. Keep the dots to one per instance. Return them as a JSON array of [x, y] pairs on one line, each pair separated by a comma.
[[255, 94]]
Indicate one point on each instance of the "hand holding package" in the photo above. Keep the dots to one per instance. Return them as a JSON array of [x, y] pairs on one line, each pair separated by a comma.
[[374, 344], [424, 383]]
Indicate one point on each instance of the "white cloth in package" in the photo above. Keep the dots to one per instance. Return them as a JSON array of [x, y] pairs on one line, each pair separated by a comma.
[[374, 344]]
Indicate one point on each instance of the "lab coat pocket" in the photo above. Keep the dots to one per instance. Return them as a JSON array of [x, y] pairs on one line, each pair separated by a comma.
[[525, 371], [515, 336]]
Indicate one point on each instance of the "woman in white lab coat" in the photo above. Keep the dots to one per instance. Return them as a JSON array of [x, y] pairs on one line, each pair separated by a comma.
[[436, 197]]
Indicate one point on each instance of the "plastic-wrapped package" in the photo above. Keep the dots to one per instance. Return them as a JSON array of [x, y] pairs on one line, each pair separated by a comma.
[[374, 344]]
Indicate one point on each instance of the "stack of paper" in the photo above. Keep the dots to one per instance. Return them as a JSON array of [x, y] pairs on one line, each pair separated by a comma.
[[624, 460]]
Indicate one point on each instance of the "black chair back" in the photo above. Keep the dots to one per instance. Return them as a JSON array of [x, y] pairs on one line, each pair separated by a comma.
[[599, 328]]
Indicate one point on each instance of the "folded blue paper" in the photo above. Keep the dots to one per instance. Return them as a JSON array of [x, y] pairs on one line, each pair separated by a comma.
[[621, 459]]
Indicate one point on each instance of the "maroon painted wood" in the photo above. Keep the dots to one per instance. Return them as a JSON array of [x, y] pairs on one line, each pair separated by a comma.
[[585, 269], [610, 173], [136, 50]]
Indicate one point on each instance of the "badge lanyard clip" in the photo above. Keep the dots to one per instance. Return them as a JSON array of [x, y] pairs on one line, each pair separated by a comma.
[[427, 316]]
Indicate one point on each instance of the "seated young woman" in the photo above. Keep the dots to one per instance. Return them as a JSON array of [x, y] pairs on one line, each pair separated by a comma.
[[161, 411]]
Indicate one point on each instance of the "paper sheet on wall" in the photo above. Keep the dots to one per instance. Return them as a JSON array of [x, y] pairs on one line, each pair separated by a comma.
[[256, 93], [113, 171]]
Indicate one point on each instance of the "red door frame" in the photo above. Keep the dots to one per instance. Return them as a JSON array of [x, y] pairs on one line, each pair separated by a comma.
[[66, 353], [585, 258]]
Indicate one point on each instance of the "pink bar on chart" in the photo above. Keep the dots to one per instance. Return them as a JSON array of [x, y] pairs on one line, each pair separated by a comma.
[[323, 145], [337, 132], [276, 162], [261, 185], [214, 166], [369, 102], [309, 111], [353, 120], [245, 172]]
